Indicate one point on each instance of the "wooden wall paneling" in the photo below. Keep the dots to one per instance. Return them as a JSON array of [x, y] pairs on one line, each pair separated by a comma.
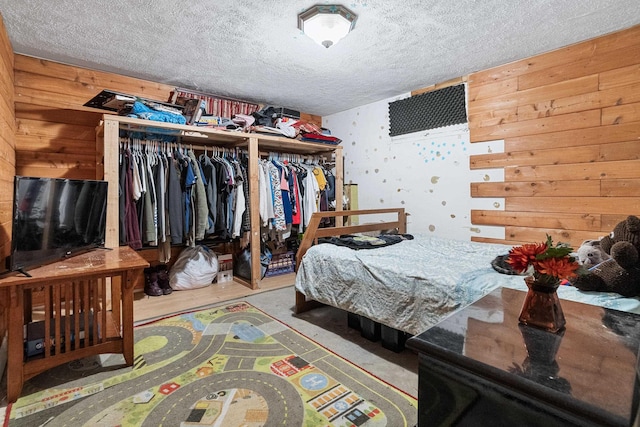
[[578, 120], [559, 220], [452, 82], [35, 143], [311, 118], [97, 79], [628, 150], [625, 76], [533, 64], [621, 114], [64, 101], [571, 132], [577, 171], [55, 132], [506, 113], [577, 86], [599, 61], [6, 88], [492, 89], [563, 188], [7, 160], [569, 54], [44, 113], [56, 165], [610, 221], [581, 205], [531, 234], [52, 84], [589, 101], [584, 154], [621, 188], [574, 137]]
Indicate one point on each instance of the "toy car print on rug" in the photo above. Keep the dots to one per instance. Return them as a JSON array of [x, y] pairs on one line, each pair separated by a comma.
[[231, 365]]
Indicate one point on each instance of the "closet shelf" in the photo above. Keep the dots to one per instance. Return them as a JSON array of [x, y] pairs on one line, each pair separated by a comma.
[[208, 136], [256, 144]]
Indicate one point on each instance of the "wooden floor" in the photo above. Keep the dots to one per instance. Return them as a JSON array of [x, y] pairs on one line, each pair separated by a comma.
[[146, 307]]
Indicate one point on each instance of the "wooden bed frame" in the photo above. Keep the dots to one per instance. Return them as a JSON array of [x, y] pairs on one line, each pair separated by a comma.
[[314, 232]]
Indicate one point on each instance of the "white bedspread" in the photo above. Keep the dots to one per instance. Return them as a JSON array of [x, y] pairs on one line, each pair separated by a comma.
[[414, 284]]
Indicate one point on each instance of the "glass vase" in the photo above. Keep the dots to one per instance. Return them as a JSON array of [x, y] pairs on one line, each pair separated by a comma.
[[541, 307]]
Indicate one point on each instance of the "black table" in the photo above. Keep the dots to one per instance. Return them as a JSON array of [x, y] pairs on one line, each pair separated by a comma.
[[481, 367]]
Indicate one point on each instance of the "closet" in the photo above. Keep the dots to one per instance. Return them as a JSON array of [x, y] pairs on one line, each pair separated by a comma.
[[257, 146]]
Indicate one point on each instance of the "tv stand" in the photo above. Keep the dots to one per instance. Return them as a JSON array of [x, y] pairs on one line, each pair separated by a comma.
[[87, 298]]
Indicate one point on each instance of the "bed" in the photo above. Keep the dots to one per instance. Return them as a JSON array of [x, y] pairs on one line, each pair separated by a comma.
[[412, 285]]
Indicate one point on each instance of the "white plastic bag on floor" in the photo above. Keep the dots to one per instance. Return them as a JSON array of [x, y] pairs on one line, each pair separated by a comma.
[[196, 267]]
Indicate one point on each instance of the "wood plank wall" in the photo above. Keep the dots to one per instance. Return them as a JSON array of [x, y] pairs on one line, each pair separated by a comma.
[[55, 134], [7, 142], [570, 121], [7, 163]]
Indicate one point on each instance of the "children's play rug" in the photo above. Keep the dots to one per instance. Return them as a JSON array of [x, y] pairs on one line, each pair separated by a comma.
[[226, 366]]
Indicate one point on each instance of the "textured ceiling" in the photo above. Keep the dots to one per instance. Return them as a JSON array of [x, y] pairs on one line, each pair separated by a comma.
[[254, 51]]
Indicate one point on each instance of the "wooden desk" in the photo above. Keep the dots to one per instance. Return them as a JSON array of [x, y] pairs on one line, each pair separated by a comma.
[[88, 296], [481, 367]]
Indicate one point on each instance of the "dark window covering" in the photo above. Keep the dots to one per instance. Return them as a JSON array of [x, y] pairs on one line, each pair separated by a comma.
[[430, 110]]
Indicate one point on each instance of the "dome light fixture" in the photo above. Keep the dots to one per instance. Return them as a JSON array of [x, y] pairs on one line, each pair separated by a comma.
[[327, 24]]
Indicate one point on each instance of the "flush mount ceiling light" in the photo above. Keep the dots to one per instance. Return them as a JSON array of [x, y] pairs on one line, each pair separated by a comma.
[[326, 24]]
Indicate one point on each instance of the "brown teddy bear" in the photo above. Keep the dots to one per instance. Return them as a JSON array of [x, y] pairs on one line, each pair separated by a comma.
[[620, 273]]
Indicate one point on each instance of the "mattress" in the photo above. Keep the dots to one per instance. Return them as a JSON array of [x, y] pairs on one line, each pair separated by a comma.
[[414, 284]]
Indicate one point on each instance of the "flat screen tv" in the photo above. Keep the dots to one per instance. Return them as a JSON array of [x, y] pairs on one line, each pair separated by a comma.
[[55, 218]]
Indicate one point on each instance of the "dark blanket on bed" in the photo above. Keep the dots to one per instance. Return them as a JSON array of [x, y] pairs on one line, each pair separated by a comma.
[[366, 242]]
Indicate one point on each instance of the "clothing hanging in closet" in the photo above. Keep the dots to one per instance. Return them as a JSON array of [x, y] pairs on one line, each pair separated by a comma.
[[291, 188], [170, 195]]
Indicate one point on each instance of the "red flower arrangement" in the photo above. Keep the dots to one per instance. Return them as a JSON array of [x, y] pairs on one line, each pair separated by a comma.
[[550, 263]]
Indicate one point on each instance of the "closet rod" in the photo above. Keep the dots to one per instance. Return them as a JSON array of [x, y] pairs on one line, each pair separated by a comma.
[[194, 146]]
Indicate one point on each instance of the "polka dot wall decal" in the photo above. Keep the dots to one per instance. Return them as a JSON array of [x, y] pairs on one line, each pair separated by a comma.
[[353, 143], [399, 190], [384, 180], [474, 230], [431, 190], [496, 205], [402, 202], [381, 200], [386, 159], [434, 179], [377, 170], [486, 178], [354, 123], [444, 203], [452, 216], [432, 228]]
